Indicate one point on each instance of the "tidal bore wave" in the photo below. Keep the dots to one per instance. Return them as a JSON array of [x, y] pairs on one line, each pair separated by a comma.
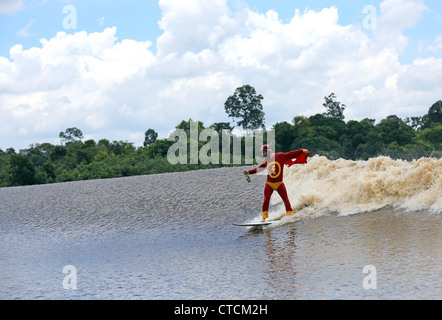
[[350, 187]]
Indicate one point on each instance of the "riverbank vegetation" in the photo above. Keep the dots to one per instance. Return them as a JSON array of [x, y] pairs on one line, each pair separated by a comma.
[[326, 134]]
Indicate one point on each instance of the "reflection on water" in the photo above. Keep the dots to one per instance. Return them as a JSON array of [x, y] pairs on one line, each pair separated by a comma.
[[171, 237], [325, 257], [280, 264]]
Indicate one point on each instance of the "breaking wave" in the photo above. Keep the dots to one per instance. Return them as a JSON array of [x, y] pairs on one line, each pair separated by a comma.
[[349, 187]]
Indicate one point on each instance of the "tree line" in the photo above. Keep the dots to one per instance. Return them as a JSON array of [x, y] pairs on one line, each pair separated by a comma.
[[326, 134], [329, 135]]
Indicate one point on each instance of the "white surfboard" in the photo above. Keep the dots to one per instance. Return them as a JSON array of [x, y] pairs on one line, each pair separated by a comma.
[[252, 224]]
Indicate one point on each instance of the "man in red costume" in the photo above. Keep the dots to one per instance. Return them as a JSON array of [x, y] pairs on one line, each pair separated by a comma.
[[274, 162]]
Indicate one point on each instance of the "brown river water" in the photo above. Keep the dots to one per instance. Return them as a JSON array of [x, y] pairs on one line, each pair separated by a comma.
[[361, 230]]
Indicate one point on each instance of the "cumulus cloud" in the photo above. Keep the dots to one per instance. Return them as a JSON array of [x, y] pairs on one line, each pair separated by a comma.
[[71, 80], [193, 25], [117, 89]]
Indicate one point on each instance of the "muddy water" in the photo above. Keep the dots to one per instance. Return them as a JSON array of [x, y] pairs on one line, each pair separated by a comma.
[[169, 236]]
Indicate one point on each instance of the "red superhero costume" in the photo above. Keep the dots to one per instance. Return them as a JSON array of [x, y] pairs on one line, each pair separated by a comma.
[[275, 168]]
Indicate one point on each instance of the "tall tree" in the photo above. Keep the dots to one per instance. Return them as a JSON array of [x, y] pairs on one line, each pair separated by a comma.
[[335, 109], [435, 114], [245, 104], [71, 135], [150, 136]]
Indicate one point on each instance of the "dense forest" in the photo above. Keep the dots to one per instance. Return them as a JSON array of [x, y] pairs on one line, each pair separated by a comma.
[[326, 134]]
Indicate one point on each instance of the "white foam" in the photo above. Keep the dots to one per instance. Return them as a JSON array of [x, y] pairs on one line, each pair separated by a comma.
[[348, 187]]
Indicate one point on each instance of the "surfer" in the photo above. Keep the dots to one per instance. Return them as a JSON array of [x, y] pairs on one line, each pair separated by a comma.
[[274, 162]]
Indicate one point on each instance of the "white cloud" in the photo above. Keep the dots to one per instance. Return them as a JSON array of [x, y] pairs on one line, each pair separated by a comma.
[[70, 80], [401, 14], [106, 86], [11, 6], [193, 25], [396, 16]]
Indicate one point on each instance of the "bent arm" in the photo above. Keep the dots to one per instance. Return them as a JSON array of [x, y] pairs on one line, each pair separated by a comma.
[[296, 156]]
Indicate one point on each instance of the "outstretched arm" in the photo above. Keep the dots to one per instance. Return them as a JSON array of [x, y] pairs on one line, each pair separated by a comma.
[[259, 168]]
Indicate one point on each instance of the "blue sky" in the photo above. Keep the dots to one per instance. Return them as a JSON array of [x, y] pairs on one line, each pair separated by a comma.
[[177, 59], [138, 20], [135, 20]]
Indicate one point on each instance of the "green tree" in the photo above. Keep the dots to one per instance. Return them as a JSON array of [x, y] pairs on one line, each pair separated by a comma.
[[220, 126], [104, 142], [49, 168], [415, 122], [284, 136], [394, 129], [185, 125], [57, 153], [433, 135], [435, 114], [159, 148], [355, 136], [21, 170], [303, 131], [150, 136], [40, 177], [335, 109], [88, 151], [71, 135], [121, 147], [374, 145], [245, 104]]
